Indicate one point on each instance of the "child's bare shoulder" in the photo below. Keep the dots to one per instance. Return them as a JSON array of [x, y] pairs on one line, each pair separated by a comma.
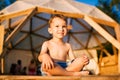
[[45, 43], [68, 44]]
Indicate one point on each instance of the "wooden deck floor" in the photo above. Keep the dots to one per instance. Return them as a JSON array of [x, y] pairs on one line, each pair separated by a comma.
[[90, 77], [107, 73]]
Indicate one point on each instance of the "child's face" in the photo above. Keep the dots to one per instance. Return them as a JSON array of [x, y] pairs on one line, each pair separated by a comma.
[[58, 28]]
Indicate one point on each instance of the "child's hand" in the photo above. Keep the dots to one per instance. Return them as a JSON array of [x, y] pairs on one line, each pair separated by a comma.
[[85, 59], [47, 62]]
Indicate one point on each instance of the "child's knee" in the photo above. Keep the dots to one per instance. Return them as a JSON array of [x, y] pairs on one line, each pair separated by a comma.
[[79, 59]]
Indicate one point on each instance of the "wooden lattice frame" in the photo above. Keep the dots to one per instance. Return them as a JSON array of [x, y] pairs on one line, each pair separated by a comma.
[[94, 22]]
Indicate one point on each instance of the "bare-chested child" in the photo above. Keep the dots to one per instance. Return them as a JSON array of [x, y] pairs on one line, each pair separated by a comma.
[[54, 52]]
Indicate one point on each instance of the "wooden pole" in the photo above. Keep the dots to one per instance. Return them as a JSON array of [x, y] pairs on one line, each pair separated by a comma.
[[1, 38], [104, 33], [2, 65], [117, 31], [1, 47]]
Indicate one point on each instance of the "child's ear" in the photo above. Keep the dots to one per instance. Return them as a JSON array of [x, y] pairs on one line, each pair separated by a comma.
[[49, 30], [69, 27]]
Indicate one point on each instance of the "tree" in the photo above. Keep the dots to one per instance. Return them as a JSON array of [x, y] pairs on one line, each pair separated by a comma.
[[111, 8], [4, 3]]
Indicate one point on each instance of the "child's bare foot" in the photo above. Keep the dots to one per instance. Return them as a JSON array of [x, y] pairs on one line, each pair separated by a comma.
[[81, 73], [48, 74], [84, 72]]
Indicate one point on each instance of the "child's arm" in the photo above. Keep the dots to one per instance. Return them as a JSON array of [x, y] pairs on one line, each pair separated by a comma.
[[84, 58], [45, 58], [70, 52]]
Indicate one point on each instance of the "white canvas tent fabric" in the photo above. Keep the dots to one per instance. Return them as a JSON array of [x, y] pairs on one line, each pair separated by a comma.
[[34, 14], [60, 5]]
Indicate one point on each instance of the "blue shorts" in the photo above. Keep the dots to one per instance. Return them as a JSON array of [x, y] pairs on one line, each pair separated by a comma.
[[62, 64]]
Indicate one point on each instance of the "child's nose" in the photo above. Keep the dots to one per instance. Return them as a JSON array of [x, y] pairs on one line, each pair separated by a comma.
[[60, 28]]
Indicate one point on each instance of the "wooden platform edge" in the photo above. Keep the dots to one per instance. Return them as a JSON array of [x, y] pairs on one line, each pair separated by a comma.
[[90, 77]]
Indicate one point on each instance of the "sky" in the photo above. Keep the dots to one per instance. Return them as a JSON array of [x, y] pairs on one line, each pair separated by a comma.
[[90, 2]]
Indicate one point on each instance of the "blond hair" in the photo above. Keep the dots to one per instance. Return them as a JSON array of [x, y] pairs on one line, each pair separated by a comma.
[[59, 16]]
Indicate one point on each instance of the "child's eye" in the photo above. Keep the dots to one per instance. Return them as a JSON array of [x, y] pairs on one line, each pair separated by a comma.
[[57, 26], [64, 26]]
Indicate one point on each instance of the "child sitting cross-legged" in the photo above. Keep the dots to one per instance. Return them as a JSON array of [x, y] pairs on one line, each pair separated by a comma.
[[55, 51]]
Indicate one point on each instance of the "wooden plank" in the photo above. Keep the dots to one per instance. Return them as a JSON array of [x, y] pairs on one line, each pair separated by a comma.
[[108, 23], [2, 65], [1, 47], [76, 15], [89, 77], [101, 31], [51, 11], [1, 38], [17, 22], [115, 53], [15, 14], [119, 61], [117, 31], [107, 53]]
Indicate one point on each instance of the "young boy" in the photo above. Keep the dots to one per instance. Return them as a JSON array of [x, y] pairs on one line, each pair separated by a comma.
[[55, 52]]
